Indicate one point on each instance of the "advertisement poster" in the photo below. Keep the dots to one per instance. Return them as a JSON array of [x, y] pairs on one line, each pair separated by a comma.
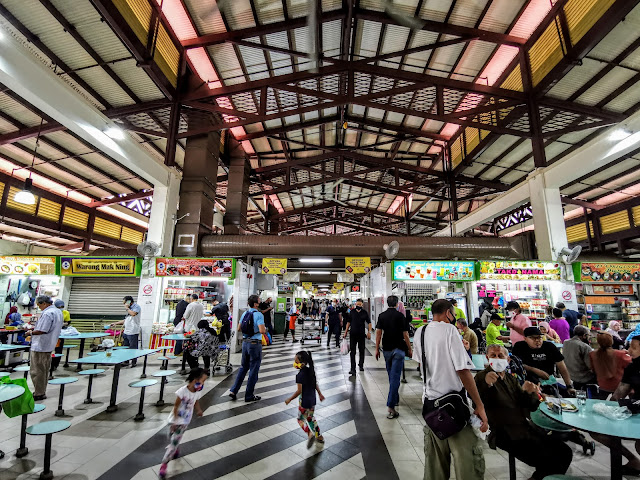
[[276, 266], [357, 264], [338, 286], [515, 270], [16, 265], [101, 266], [196, 267], [443, 271], [308, 286], [606, 272], [281, 305]]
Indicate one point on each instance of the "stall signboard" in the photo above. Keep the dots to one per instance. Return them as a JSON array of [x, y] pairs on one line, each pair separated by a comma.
[[196, 267], [606, 272], [338, 286], [517, 270], [285, 288], [100, 266], [307, 286], [357, 264], [18, 265], [443, 271], [276, 266]]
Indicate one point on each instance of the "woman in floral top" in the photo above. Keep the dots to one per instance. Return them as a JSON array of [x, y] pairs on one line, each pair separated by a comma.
[[203, 343]]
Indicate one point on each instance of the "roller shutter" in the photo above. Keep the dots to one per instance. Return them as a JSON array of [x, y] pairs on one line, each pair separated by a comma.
[[93, 298]]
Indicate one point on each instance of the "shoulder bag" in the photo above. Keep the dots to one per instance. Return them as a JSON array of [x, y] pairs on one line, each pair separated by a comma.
[[448, 414]]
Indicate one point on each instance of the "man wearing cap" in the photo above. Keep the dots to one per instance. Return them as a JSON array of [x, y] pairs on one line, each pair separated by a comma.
[[517, 323], [540, 358]]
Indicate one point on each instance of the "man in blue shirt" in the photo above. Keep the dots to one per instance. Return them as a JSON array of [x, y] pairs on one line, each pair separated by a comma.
[[251, 352], [572, 317]]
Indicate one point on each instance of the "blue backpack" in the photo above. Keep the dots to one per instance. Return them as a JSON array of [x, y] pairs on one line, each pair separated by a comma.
[[246, 324]]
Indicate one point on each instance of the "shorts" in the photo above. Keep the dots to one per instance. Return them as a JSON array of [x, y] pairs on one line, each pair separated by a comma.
[[292, 323]]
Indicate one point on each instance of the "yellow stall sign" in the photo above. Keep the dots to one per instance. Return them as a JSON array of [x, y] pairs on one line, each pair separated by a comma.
[[338, 286], [308, 286], [277, 266], [357, 264], [100, 266]]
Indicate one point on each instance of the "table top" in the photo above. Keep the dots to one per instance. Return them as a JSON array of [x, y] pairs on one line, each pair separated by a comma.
[[47, 428], [117, 356], [93, 371], [164, 373], [22, 368], [63, 380], [174, 336], [541, 420], [5, 347], [84, 335], [558, 345], [9, 392], [589, 421], [147, 382]]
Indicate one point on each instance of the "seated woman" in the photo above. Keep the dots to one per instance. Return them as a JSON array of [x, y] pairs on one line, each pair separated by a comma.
[[614, 328], [608, 364], [203, 343], [508, 406], [548, 333]]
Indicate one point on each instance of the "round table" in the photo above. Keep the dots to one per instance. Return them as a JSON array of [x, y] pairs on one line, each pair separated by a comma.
[[9, 392], [589, 421]]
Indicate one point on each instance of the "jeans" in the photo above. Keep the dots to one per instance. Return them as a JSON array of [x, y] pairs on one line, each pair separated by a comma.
[[394, 360], [131, 341], [359, 341], [251, 360]]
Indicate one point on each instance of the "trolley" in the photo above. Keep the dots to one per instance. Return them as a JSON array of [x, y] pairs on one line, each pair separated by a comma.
[[223, 358], [311, 330]]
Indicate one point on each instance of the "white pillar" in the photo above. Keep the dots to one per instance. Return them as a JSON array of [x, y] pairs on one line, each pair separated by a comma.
[[548, 217], [161, 223]]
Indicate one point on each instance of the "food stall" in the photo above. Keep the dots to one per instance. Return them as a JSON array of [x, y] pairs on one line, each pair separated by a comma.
[[425, 281], [608, 291], [533, 284], [210, 278]]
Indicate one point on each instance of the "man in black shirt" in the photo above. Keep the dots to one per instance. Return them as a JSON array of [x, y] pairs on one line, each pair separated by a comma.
[[334, 320], [395, 345], [180, 309], [265, 309], [360, 324], [540, 358]]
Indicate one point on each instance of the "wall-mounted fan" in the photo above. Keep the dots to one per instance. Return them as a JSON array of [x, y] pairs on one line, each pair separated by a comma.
[[391, 250]]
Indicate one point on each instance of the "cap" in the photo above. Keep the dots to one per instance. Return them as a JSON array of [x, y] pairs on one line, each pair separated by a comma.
[[58, 304], [532, 332]]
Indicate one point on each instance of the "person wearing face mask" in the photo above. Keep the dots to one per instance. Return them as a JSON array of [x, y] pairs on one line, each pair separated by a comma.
[[131, 324], [508, 407], [359, 324], [187, 400], [517, 322]]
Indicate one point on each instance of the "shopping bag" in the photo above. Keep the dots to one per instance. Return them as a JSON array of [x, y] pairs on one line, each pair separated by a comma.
[[179, 328], [344, 347], [21, 405], [265, 341]]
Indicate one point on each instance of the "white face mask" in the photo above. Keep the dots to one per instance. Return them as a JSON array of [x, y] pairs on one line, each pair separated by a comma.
[[498, 364]]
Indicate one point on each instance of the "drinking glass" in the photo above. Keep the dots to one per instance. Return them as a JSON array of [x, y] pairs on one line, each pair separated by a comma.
[[581, 395], [108, 352]]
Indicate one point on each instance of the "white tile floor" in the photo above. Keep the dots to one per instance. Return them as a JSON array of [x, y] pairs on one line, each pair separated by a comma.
[[90, 448]]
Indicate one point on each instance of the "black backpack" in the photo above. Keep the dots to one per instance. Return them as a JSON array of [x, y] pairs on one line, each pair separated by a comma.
[[246, 324]]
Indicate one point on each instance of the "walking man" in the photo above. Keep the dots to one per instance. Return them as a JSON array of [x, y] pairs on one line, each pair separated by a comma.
[[251, 321], [43, 340], [265, 309], [395, 345], [360, 326], [446, 369], [334, 320], [131, 325]]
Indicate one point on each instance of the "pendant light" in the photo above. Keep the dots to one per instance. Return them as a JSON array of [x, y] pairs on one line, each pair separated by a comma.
[[25, 196]]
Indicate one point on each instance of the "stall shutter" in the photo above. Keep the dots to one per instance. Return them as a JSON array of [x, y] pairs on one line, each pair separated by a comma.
[[100, 297]]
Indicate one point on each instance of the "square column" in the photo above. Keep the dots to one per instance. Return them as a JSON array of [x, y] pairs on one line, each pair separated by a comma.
[[235, 218], [548, 217]]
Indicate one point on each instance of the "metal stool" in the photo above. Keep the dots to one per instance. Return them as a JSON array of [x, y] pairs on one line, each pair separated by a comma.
[[164, 374], [23, 450], [62, 382], [91, 373], [66, 359], [48, 429], [142, 384], [23, 368]]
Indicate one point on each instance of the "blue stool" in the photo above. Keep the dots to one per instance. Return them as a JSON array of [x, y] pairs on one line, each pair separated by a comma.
[[23, 368], [55, 355], [142, 384], [48, 429], [91, 373], [62, 382], [163, 374], [91, 354], [4, 374], [66, 359], [120, 348], [23, 450]]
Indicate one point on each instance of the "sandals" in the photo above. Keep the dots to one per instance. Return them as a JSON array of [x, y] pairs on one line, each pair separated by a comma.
[[393, 415], [255, 398]]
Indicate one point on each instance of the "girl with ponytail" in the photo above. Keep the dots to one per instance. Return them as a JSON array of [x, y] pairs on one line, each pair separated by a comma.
[[307, 388]]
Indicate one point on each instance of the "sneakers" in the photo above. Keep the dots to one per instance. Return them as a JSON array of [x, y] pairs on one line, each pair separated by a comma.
[[311, 440], [352, 373], [361, 368], [162, 473], [233, 396], [393, 415], [255, 398]]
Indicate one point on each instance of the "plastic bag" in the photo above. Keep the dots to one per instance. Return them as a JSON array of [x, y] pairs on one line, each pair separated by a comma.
[[18, 406], [108, 343], [344, 347], [611, 412], [476, 423], [179, 328]]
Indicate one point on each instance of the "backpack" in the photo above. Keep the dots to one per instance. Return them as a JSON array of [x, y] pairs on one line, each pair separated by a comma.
[[246, 324]]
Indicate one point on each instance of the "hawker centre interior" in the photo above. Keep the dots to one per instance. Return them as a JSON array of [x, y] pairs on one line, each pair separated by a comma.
[[319, 239]]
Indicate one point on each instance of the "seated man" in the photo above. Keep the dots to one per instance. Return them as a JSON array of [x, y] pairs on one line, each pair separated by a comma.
[[576, 355], [468, 335], [493, 331], [508, 406]]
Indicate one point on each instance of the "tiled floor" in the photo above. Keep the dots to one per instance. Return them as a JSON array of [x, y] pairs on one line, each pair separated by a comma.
[[238, 441]]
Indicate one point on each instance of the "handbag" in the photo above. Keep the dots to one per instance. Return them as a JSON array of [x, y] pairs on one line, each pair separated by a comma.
[[448, 414], [21, 405]]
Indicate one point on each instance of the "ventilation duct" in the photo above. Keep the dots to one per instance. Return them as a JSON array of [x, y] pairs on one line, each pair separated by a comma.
[[436, 248]]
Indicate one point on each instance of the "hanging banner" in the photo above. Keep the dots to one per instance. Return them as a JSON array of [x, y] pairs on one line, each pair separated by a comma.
[[443, 271], [100, 266], [308, 286], [277, 266], [17, 265], [357, 264], [196, 267], [606, 272], [513, 270], [338, 286]]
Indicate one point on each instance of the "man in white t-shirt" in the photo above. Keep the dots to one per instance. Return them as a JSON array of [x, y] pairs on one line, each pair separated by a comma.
[[448, 369], [193, 314]]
